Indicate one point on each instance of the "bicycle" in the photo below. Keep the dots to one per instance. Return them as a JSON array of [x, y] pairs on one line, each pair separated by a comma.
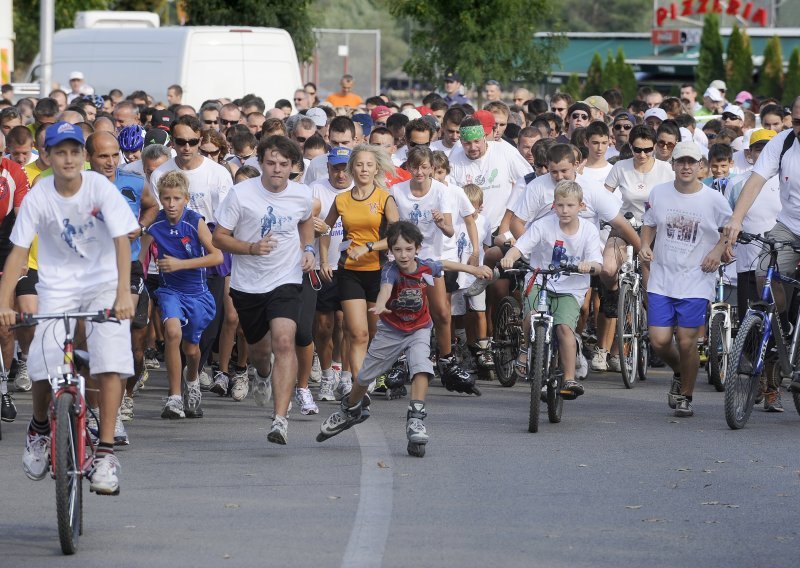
[[721, 329], [543, 359], [631, 332], [507, 335], [72, 447], [759, 334]]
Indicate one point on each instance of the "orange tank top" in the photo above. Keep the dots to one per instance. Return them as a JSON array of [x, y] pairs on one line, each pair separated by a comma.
[[363, 221]]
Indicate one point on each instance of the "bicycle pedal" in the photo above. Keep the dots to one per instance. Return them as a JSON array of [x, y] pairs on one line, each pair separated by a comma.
[[567, 394]]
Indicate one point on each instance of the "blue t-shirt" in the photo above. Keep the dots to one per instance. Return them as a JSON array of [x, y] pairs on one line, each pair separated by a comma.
[[131, 185], [181, 241]]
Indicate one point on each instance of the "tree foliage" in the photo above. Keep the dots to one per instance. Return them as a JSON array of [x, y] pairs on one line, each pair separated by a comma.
[[610, 73], [606, 15], [709, 65], [291, 15], [594, 77], [482, 39], [573, 87], [627, 78], [791, 88], [739, 61], [770, 76]]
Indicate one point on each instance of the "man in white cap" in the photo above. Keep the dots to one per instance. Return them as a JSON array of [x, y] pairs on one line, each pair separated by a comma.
[[713, 101], [75, 83], [721, 87], [654, 117], [683, 218]]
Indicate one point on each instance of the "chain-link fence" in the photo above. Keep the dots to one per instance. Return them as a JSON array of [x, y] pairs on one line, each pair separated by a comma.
[[340, 52]]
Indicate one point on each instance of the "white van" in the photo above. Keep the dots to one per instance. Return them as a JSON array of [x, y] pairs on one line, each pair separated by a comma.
[[209, 62]]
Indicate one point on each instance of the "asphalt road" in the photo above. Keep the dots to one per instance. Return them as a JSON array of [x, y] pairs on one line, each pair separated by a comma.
[[620, 482]]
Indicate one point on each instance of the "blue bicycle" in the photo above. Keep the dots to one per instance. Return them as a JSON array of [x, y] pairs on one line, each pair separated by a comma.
[[761, 342]]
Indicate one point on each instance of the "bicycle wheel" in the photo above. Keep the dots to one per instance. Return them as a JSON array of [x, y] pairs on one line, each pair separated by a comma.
[[741, 383], [626, 334], [555, 382], [538, 360], [68, 475], [796, 398], [717, 352], [644, 342], [506, 338]]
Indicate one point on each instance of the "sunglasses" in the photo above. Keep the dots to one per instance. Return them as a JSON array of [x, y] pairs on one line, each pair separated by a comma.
[[187, 142], [295, 175], [637, 150], [210, 152], [683, 162], [729, 116], [710, 135], [664, 144], [415, 144], [557, 109], [623, 126], [228, 122], [579, 115], [300, 139], [209, 122]]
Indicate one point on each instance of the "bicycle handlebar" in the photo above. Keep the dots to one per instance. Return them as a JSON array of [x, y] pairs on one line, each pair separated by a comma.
[[101, 316], [522, 266], [746, 238]]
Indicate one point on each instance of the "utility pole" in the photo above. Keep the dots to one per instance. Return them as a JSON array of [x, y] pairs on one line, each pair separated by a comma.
[[47, 24]]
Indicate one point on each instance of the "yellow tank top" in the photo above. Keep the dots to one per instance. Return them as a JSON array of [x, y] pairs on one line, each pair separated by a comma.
[[363, 221]]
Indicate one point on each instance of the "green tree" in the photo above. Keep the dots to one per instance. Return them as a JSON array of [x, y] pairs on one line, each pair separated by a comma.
[[291, 15], [573, 87], [610, 74], [739, 62], [606, 15], [791, 88], [709, 65], [483, 39], [770, 75], [627, 79], [594, 77]]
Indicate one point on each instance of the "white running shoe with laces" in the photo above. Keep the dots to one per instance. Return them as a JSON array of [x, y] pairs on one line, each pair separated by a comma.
[[104, 480], [23, 381], [36, 458], [120, 435], [126, 408], [306, 402], [241, 385], [278, 432]]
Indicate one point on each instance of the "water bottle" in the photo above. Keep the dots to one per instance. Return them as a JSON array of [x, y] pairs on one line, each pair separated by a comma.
[[559, 254]]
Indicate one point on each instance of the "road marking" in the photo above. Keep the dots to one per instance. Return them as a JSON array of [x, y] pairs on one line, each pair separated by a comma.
[[367, 541]]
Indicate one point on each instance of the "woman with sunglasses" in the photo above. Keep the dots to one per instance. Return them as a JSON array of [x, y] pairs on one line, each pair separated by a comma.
[[214, 147], [365, 210], [634, 178]]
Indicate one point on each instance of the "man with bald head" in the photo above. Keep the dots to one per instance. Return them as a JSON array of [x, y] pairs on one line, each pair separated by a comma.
[[104, 124], [71, 116], [102, 149]]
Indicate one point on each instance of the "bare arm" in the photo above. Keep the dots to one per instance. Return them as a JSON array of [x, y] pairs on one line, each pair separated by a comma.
[[626, 230], [517, 227], [477, 271], [213, 256], [750, 191], [383, 297], [648, 234], [123, 304], [472, 232], [16, 262]]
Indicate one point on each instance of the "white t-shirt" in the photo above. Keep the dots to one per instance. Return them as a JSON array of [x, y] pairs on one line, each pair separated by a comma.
[[597, 174], [419, 210], [686, 231], [209, 184], [316, 170], [250, 212], [496, 173], [740, 164], [611, 152], [789, 180], [464, 246], [326, 193], [461, 206], [399, 157], [136, 167], [538, 241], [537, 201], [635, 186], [76, 247], [760, 219], [438, 146]]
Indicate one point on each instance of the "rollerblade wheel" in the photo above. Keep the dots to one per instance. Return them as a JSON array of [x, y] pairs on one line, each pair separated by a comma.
[[416, 450]]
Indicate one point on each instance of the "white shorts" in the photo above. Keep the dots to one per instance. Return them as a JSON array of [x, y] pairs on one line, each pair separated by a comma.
[[109, 343], [459, 303]]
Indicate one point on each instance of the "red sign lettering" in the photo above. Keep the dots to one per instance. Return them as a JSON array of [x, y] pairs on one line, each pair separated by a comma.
[[735, 8]]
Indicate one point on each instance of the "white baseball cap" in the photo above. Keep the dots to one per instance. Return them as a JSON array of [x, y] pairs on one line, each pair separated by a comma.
[[658, 113], [76, 75], [734, 109], [318, 116], [714, 94], [687, 150]]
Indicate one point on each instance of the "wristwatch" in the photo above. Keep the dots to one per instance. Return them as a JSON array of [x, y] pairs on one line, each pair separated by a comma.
[[311, 249], [369, 245], [143, 228]]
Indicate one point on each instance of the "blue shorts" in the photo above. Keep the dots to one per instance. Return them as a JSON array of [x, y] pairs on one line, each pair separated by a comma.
[[194, 311], [663, 311]]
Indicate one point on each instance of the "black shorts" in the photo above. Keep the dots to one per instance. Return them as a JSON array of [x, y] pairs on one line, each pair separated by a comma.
[[328, 296], [137, 278], [141, 317], [26, 285], [359, 284], [152, 282], [305, 319], [594, 282], [256, 311], [450, 281]]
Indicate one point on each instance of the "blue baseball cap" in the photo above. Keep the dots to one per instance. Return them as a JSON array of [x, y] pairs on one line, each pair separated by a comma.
[[365, 121], [338, 155], [59, 132]]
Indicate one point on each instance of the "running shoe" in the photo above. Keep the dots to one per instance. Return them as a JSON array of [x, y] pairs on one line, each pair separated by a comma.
[[342, 387], [151, 358], [599, 360], [240, 387], [614, 364], [23, 380], [192, 398], [142, 380], [278, 432], [36, 459], [205, 381], [316, 371], [772, 401], [8, 411], [221, 383], [120, 435], [574, 386], [262, 390], [104, 480], [305, 401], [674, 391], [326, 389], [683, 408], [173, 409], [126, 408]]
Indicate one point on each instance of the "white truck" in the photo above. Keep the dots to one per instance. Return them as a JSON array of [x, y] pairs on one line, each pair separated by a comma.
[[208, 62]]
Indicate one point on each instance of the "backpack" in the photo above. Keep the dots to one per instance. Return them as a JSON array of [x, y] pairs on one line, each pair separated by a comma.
[[787, 143]]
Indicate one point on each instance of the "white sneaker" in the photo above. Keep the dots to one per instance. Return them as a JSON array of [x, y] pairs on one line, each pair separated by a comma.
[[316, 371], [278, 432], [262, 388], [581, 366], [205, 381], [36, 459], [120, 435], [306, 402], [480, 284], [241, 386], [104, 475], [599, 359], [173, 409], [614, 364], [126, 408], [23, 380], [142, 380], [326, 388], [343, 386]]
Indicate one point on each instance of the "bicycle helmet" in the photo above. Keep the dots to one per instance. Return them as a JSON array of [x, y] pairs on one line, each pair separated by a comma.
[[96, 100], [131, 138]]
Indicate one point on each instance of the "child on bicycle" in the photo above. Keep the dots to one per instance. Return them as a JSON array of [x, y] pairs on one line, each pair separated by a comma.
[[683, 217], [83, 223], [404, 327], [187, 306], [564, 236]]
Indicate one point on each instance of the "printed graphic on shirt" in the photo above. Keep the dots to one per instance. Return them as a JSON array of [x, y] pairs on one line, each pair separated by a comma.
[[462, 244], [682, 229], [481, 180], [196, 200], [408, 299], [76, 237], [272, 222]]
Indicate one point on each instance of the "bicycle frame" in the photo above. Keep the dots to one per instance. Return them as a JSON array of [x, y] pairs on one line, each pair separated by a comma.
[[721, 306]]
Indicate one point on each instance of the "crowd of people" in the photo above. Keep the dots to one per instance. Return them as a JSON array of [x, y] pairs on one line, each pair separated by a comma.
[[261, 251]]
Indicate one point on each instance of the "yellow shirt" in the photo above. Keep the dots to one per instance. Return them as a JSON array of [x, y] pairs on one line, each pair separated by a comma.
[[362, 222]]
